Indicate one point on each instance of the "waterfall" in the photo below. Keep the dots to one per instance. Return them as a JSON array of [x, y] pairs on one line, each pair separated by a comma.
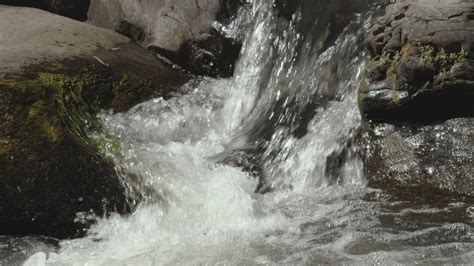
[[290, 109]]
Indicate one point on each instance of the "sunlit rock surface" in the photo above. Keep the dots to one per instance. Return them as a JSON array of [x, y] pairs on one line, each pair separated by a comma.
[[185, 32], [167, 24], [56, 74]]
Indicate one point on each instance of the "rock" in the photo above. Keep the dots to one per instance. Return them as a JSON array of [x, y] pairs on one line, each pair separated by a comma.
[[228, 10], [214, 56], [435, 158], [167, 24], [422, 62], [76, 9], [53, 175], [181, 31]]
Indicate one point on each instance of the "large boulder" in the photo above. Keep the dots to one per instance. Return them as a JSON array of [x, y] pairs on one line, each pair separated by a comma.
[[181, 31], [421, 65], [167, 24], [56, 74], [76, 9]]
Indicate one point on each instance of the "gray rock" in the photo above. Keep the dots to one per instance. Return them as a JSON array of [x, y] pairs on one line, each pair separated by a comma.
[[30, 36], [181, 31], [56, 74], [167, 24], [421, 59]]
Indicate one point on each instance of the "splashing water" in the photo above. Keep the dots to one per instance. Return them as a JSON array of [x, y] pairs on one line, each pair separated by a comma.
[[295, 104]]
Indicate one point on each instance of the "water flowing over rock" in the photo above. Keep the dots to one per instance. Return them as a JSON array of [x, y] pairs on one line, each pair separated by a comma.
[[53, 176], [421, 66], [269, 166]]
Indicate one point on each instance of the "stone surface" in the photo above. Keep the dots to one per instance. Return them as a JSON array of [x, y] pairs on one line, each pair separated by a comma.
[[56, 75], [429, 158], [39, 36], [421, 65], [181, 31], [76, 9], [167, 24]]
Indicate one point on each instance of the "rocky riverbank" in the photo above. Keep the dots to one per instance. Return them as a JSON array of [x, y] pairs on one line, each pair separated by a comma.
[[420, 79]]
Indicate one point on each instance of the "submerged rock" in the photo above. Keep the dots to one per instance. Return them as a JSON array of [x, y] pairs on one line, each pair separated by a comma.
[[76, 9], [421, 65], [53, 176], [436, 157]]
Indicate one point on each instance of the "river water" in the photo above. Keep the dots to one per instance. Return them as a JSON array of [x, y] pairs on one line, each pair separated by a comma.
[[261, 168]]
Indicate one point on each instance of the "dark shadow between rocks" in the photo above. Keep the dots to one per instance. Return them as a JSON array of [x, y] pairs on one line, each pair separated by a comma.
[[214, 56], [75, 9]]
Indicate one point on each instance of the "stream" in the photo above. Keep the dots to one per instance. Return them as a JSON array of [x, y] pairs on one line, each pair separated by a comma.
[[265, 167]]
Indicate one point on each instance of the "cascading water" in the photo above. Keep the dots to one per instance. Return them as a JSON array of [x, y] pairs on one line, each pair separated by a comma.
[[291, 109]]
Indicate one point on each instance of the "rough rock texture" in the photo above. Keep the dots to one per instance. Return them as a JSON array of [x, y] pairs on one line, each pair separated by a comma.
[[168, 24], [437, 157], [422, 63], [181, 31], [76, 9], [52, 173]]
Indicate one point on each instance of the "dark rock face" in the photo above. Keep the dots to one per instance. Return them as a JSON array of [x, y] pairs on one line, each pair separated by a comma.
[[75, 9], [214, 56], [51, 171], [421, 67], [53, 174], [434, 158], [228, 9]]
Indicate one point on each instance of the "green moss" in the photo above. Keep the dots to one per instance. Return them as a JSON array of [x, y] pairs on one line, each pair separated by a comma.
[[50, 103], [49, 124], [442, 60], [131, 89], [395, 98], [107, 145], [362, 91]]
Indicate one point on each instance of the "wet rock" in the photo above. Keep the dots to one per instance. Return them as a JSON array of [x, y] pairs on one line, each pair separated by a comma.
[[434, 158], [53, 176], [181, 31], [228, 9], [214, 56], [75, 9], [167, 24], [421, 63]]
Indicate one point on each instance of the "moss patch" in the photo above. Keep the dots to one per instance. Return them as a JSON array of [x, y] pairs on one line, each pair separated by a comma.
[[442, 60], [47, 114]]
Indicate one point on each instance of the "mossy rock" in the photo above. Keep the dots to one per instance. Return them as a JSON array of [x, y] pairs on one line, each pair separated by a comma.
[[53, 175], [50, 170], [421, 65]]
